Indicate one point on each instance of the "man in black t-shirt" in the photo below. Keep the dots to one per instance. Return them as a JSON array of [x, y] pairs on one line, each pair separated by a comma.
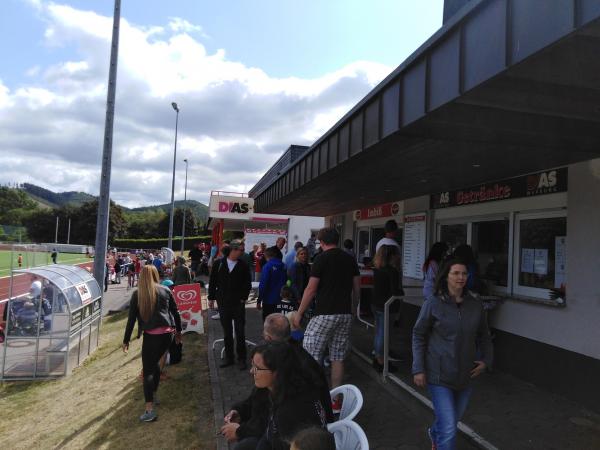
[[334, 278]]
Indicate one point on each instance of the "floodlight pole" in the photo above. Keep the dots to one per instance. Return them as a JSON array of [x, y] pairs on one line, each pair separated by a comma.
[[170, 244], [69, 231], [184, 205], [104, 198], [56, 232]]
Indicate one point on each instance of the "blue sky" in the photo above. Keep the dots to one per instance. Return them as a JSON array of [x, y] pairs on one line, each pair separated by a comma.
[[304, 63]]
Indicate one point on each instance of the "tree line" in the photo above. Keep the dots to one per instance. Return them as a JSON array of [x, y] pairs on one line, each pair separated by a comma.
[[17, 209]]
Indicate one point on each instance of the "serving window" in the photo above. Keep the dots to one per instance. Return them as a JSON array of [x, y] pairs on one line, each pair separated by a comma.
[[523, 254], [490, 241], [541, 253]]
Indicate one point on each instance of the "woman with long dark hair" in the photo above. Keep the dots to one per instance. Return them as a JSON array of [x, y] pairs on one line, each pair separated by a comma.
[[386, 283], [450, 326], [154, 307], [431, 267], [294, 401]]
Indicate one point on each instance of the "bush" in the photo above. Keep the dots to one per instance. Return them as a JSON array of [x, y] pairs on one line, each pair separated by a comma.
[[156, 243]]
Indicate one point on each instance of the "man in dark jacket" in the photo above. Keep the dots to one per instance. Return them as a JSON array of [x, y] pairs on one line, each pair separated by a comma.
[[246, 422], [230, 285]]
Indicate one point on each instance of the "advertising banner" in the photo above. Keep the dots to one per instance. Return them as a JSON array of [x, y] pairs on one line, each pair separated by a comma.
[[257, 236], [542, 183], [189, 303], [375, 212]]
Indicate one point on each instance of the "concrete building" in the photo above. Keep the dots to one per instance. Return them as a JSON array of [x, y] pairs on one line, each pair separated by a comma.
[[488, 134]]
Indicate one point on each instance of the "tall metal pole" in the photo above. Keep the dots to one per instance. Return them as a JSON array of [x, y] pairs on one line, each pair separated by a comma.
[[104, 199], [184, 205], [69, 231], [170, 244], [56, 231]]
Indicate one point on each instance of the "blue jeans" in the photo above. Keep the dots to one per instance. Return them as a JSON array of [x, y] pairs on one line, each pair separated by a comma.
[[378, 338], [449, 406]]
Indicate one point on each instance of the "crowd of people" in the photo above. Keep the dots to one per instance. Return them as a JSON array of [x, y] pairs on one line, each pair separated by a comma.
[[306, 301]]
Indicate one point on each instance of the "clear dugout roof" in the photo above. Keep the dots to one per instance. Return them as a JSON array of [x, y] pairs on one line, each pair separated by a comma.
[[70, 280]]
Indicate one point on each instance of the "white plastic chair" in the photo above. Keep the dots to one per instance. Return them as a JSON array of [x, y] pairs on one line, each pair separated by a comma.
[[348, 435], [352, 402]]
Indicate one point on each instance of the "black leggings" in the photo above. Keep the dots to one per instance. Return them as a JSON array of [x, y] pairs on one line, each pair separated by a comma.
[[153, 347]]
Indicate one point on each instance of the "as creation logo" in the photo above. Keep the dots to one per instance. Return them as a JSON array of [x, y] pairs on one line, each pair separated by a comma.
[[234, 207], [542, 183]]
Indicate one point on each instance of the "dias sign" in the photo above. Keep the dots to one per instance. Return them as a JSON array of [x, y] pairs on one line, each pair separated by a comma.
[[222, 207]]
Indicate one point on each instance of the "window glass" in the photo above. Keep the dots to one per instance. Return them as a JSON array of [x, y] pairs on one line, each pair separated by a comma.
[[453, 235], [490, 245], [542, 252], [363, 244]]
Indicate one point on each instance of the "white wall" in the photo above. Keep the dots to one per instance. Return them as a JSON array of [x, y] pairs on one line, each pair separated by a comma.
[[300, 227]]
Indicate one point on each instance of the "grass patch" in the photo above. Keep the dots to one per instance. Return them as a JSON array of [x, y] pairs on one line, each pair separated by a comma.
[[32, 259], [97, 407]]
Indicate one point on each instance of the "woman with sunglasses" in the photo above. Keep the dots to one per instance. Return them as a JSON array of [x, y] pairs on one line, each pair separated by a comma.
[[450, 325], [294, 402]]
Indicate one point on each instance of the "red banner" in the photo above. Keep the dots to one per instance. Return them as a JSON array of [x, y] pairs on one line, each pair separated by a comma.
[[385, 210], [189, 302]]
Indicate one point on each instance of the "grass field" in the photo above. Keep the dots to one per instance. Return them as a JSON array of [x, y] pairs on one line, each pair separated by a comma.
[[33, 259], [98, 406]]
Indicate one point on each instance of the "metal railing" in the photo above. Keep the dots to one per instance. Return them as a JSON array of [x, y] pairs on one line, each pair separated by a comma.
[[360, 319], [386, 333]]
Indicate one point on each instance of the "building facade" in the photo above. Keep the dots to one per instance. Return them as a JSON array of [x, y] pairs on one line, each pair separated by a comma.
[[487, 135]]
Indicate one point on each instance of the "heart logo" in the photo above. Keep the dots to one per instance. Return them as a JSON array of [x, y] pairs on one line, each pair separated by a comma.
[[186, 296]]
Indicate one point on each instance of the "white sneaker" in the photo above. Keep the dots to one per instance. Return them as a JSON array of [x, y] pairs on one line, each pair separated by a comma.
[[215, 317]]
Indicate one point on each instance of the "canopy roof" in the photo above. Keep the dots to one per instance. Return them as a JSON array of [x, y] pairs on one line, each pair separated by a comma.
[[505, 88], [71, 280]]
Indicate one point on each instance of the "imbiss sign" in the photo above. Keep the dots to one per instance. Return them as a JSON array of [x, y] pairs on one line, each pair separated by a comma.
[[541, 183], [224, 207]]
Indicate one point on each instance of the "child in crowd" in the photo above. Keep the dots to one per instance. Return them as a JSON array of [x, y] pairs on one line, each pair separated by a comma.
[[297, 334], [286, 304], [313, 439]]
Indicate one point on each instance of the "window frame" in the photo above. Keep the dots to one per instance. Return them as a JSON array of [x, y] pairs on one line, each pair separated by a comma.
[[527, 291], [469, 220]]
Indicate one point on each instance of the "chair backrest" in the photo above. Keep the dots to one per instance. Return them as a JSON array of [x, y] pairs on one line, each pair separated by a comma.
[[348, 435], [352, 402]]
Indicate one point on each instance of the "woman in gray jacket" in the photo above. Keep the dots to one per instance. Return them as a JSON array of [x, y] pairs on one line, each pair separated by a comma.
[[450, 326]]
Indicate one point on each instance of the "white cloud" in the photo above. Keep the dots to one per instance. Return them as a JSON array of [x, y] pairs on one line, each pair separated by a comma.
[[179, 25], [234, 123]]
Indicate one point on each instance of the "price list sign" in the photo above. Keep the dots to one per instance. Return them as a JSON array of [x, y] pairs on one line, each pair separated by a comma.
[[415, 240]]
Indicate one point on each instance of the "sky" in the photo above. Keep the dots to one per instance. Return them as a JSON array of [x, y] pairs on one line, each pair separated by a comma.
[[251, 77]]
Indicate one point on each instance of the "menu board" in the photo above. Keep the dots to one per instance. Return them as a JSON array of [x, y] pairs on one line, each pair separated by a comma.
[[415, 241]]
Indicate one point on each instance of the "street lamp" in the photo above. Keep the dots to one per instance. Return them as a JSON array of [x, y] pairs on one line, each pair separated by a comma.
[[170, 245], [184, 205]]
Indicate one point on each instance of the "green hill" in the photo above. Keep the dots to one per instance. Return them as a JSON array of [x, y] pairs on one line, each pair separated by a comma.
[[200, 209], [46, 198], [56, 199]]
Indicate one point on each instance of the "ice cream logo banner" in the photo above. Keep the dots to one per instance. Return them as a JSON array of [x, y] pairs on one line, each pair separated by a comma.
[[189, 303]]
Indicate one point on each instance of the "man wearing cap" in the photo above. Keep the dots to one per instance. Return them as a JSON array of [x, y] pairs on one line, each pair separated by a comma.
[[391, 232], [230, 285]]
